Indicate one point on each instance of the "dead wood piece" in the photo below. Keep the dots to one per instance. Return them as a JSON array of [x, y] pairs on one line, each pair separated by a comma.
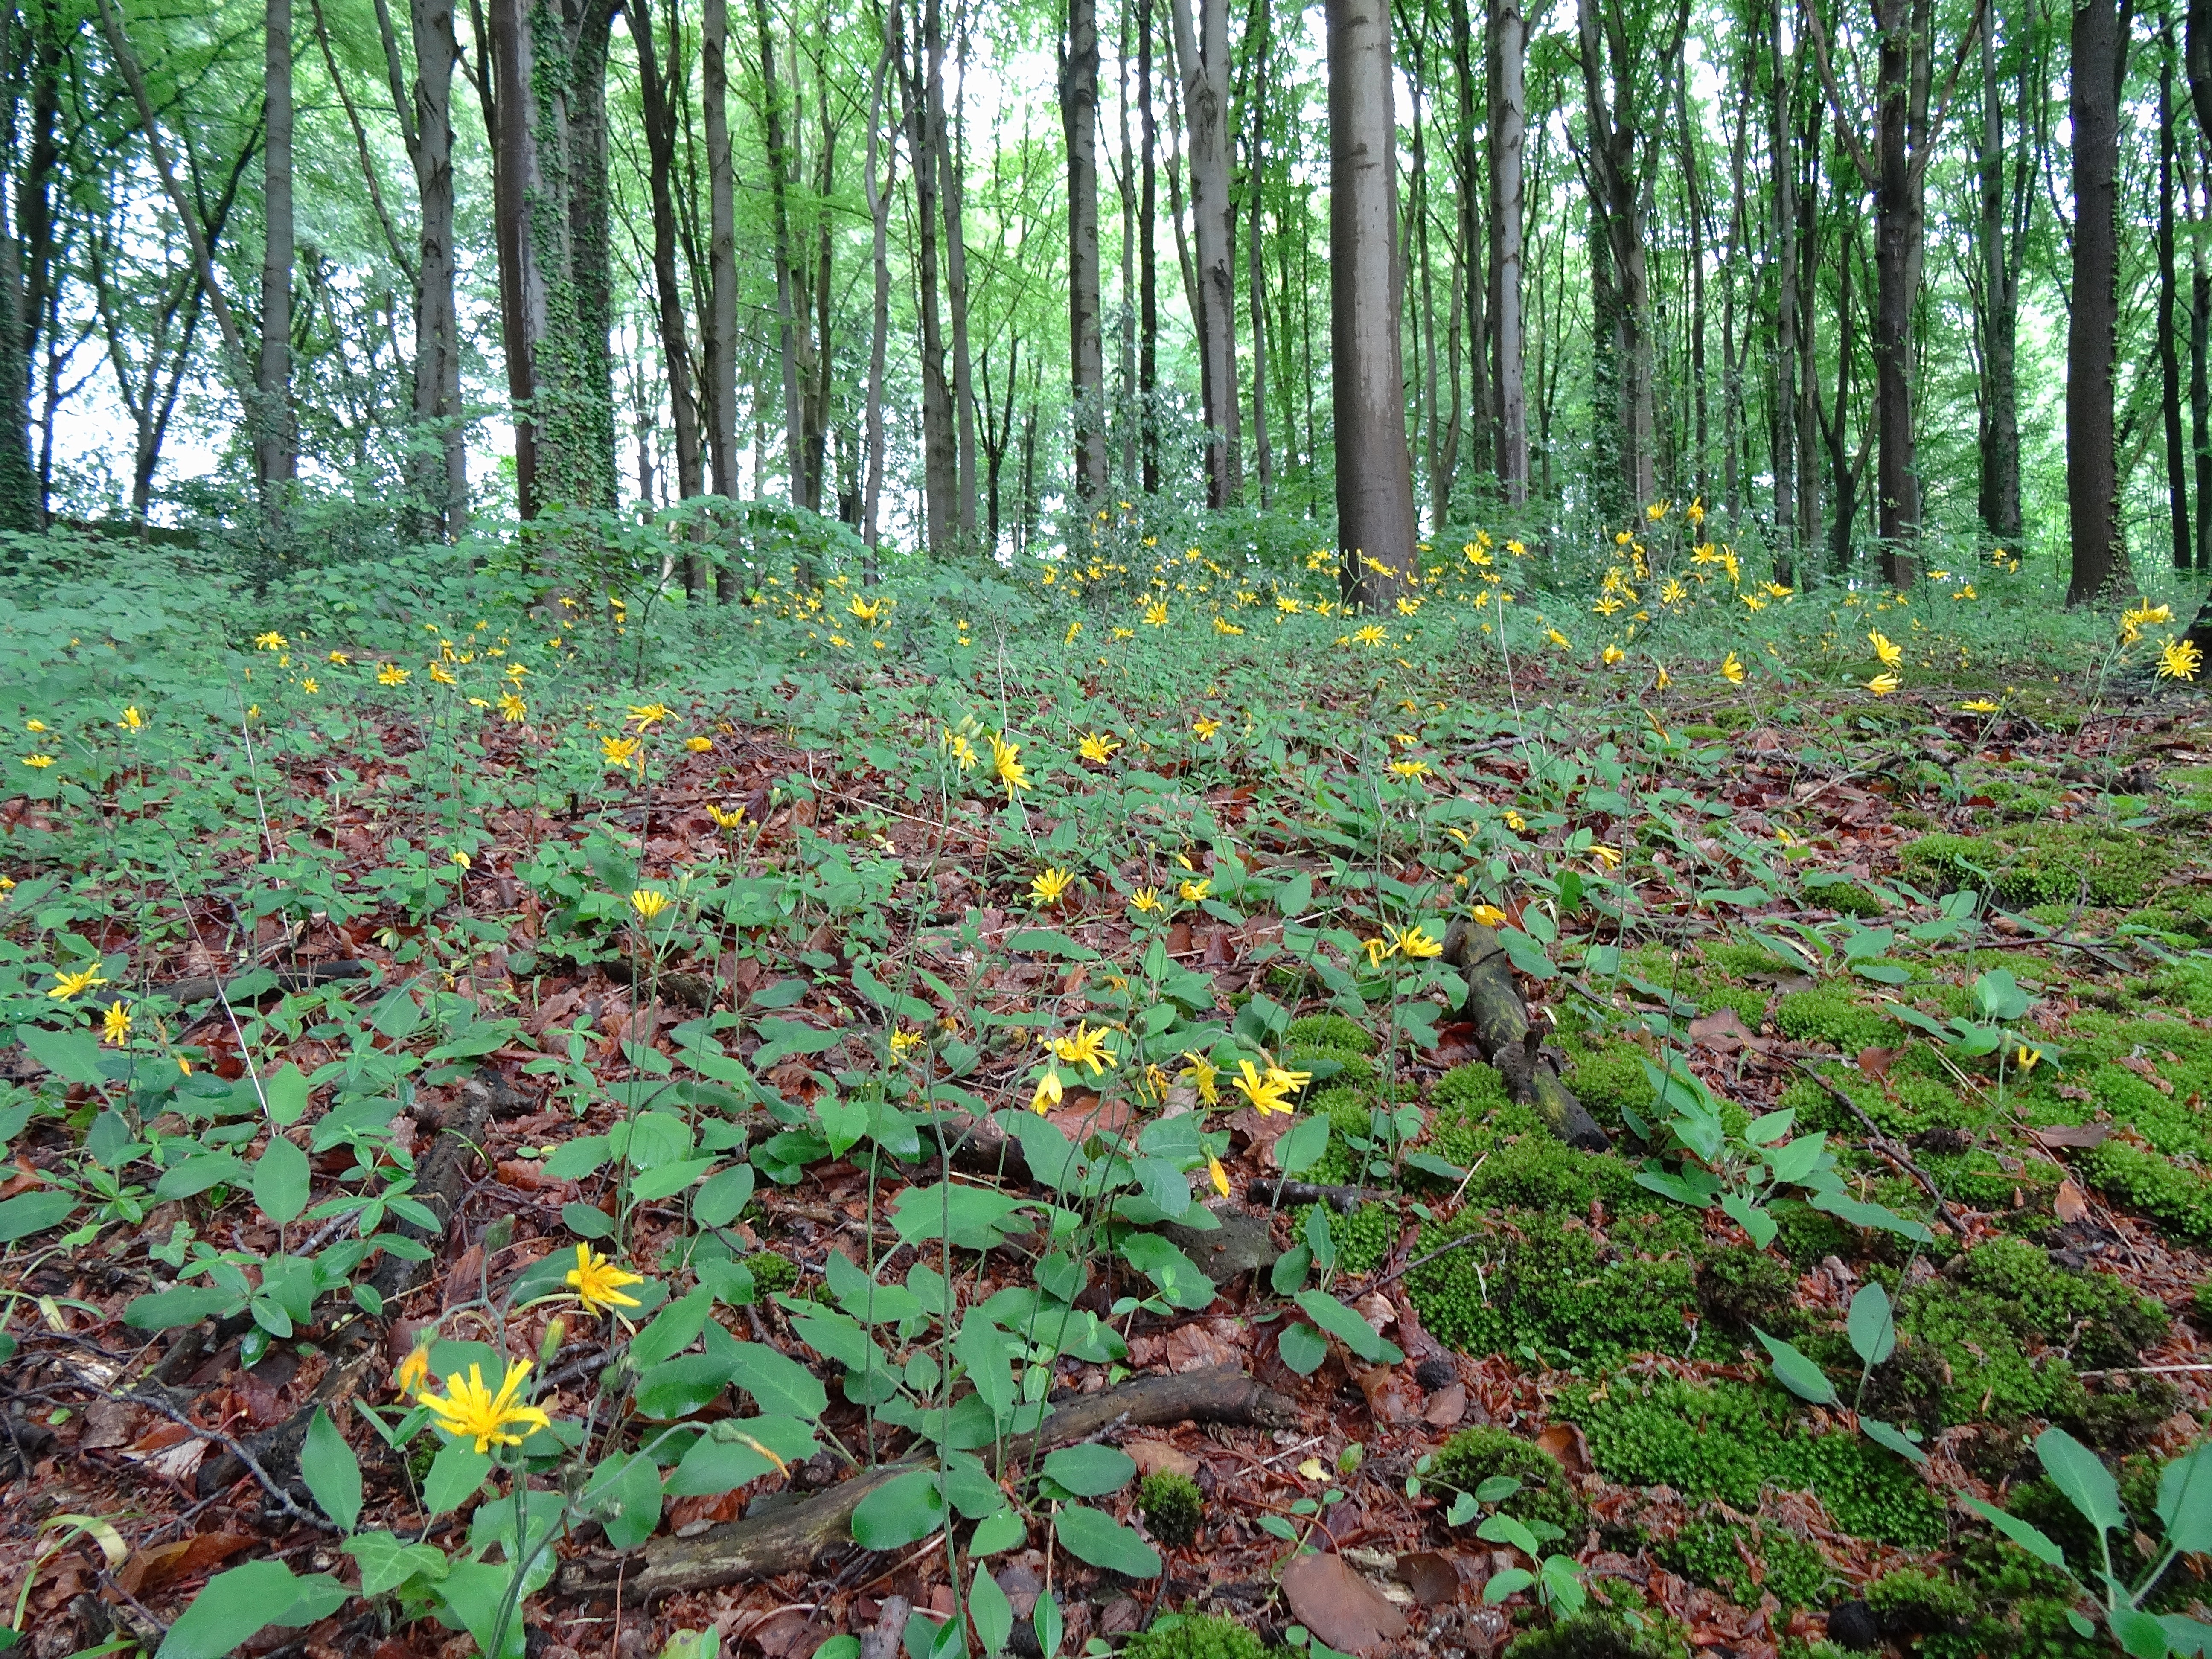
[[1346, 1199], [1507, 1041], [793, 1538], [185, 991], [676, 984]]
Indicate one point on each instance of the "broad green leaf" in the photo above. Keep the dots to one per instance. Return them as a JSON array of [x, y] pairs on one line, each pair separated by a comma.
[[281, 1180], [1302, 1146], [197, 1172], [1797, 1373], [724, 1197], [33, 1212], [1003, 1529], [904, 1510], [475, 1592], [236, 1606], [455, 1473], [737, 1449], [2141, 1634], [1752, 1218], [67, 1054], [1050, 1627], [1512, 1581], [332, 1473], [2081, 1475], [780, 1386], [1859, 1214], [1179, 1278], [2029, 1538], [2185, 1500], [1090, 1471], [187, 1304], [1348, 1328], [1873, 1330], [1887, 1434], [386, 1563], [993, 1613], [627, 1500], [1302, 1348], [673, 1329], [285, 1089], [1102, 1542], [1504, 1529]]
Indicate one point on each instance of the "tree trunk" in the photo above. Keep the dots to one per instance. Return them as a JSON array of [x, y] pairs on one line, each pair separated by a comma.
[[720, 345], [939, 446], [1202, 53], [1899, 213], [1482, 438], [2169, 360], [786, 314], [1694, 197], [1809, 317], [2092, 335], [1508, 125], [2200, 385], [1148, 271], [2000, 436], [20, 507], [879, 209], [1780, 133], [587, 27], [1374, 476], [956, 282], [675, 341], [274, 446], [1124, 400], [1078, 106], [1254, 267]]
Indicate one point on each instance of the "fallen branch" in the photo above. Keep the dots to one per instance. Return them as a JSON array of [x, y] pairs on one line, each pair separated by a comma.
[[1346, 1199], [1507, 1041], [204, 988], [793, 1539], [1888, 1148]]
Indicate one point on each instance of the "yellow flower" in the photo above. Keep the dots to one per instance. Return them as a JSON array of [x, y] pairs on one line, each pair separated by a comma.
[[512, 707], [1410, 768], [1611, 654], [729, 820], [35, 726], [271, 640], [1379, 951], [462, 858], [1370, 635], [2028, 1057], [1270, 1093], [1096, 748], [1069, 638], [1978, 706], [1891, 653], [1488, 914], [963, 750], [1217, 1174], [1221, 626], [115, 1025], [1515, 822], [310, 686], [698, 746], [67, 985], [1557, 638], [516, 672], [1156, 613], [1085, 1045], [1664, 680], [1146, 899], [1006, 765], [470, 1411], [1206, 725], [131, 719], [414, 1372], [1416, 941], [642, 715], [1050, 1092], [1731, 671], [339, 658], [1656, 511], [902, 1040], [2180, 659], [1201, 1073], [1606, 856], [1193, 891], [868, 610], [1883, 684], [390, 674], [38, 762], [1048, 888], [597, 1282], [648, 904], [442, 675]]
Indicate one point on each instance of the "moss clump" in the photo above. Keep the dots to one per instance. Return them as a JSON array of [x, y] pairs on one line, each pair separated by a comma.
[[1194, 1635], [1538, 1172], [2178, 1200], [2096, 1315], [1739, 1287], [1789, 1568], [1546, 1281], [1590, 1634], [771, 1272], [1805, 1235], [1730, 1441], [1831, 1016], [1328, 1032], [2042, 863], [1474, 1456], [1350, 1113], [1608, 1079], [1912, 1602], [1469, 1114], [1171, 1506], [1851, 899]]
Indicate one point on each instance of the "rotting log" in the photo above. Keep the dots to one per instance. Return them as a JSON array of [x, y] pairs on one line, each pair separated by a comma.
[[203, 988], [792, 1538], [1508, 1041]]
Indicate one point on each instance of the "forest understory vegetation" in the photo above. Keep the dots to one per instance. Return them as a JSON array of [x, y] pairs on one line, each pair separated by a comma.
[[1121, 1105]]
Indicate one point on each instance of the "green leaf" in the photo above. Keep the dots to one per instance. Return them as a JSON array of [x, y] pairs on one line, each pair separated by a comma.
[[1003, 1529], [678, 1387], [969, 1217], [1845, 1208], [1797, 1373], [1348, 1328], [281, 1180], [666, 1179], [1886, 1434], [2142, 1634], [455, 1473], [386, 1564], [1179, 1278], [574, 1159], [1090, 1471], [586, 1220], [1512, 1581], [1752, 1218], [1873, 1330], [67, 1054], [724, 1197], [285, 1089], [475, 1592], [2185, 1500], [1998, 995], [1302, 1146], [1100, 1540], [675, 1329], [843, 1122], [237, 1606], [197, 1172], [332, 1473], [2081, 1475], [33, 1212], [904, 1510], [627, 1500], [1302, 1348], [2028, 1537], [780, 1386], [737, 1449], [993, 1613], [187, 1304], [1504, 1529], [1051, 1628]]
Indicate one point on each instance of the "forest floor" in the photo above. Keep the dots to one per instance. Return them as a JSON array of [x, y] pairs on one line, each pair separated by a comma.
[[344, 1020]]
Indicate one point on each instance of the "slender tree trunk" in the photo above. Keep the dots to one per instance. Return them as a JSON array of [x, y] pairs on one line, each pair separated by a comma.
[[1125, 310], [1078, 104], [1508, 125], [1693, 191], [675, 341], [2091, 337], [720, 335], [1809, 317], [2200, 384], [587, 28], [1781, 133], [786, 315], [956, 283], [1148, 269], [879, 208], [20, 506], [1202, 52], [515, 187], [2169, 360], [1255, 176], [274, 444], [1427, 405], [1373, 476], [1482, 433], [1898, 219], [1732, 347], [2000, 437], [940, 442]]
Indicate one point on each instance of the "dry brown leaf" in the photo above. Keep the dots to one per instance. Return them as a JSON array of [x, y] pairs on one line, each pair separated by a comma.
[[1433, 1577], [1876, 1062], [2071, 1204], [1446, 1407], [2073, 1135], [1565, 1442], [1723, 1030], [1194, 1346], [149, 1570], [1153, 1455], [1339, 1606], [1389, 1398]]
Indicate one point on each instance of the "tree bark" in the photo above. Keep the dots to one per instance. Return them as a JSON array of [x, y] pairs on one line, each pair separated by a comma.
[[720, 342], [955, 284], [1148, 276], [939, 444], [20, 505], [2169, 359], [675, 341], [1078, 105], [1374, 474], [2092, 336], [2000, 314], [879, 208], [1202, 53], [274, 446], [1784, 442], [787, 319], [2200, 384], [1509, 123], [1255, 175]]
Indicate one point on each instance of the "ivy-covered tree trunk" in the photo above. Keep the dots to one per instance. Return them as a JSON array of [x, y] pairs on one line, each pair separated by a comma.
[[1079, 112]]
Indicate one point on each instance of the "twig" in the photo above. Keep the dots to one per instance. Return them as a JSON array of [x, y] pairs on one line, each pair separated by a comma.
[[1888, 1148], [2140, 1370], [284, 1500]]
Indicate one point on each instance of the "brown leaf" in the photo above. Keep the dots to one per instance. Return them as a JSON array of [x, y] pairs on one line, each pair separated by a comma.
[[2073, 1135], [1083, 1115], [1723, 1030], [1389, 1398], [1338, 1606], [1565, 1442], [1432, 1576], [149, 1570], [106, 1424], [2071, 1204], [1875, 1062], [1153, 1455], [1193, 1347], [1446, 1407]]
